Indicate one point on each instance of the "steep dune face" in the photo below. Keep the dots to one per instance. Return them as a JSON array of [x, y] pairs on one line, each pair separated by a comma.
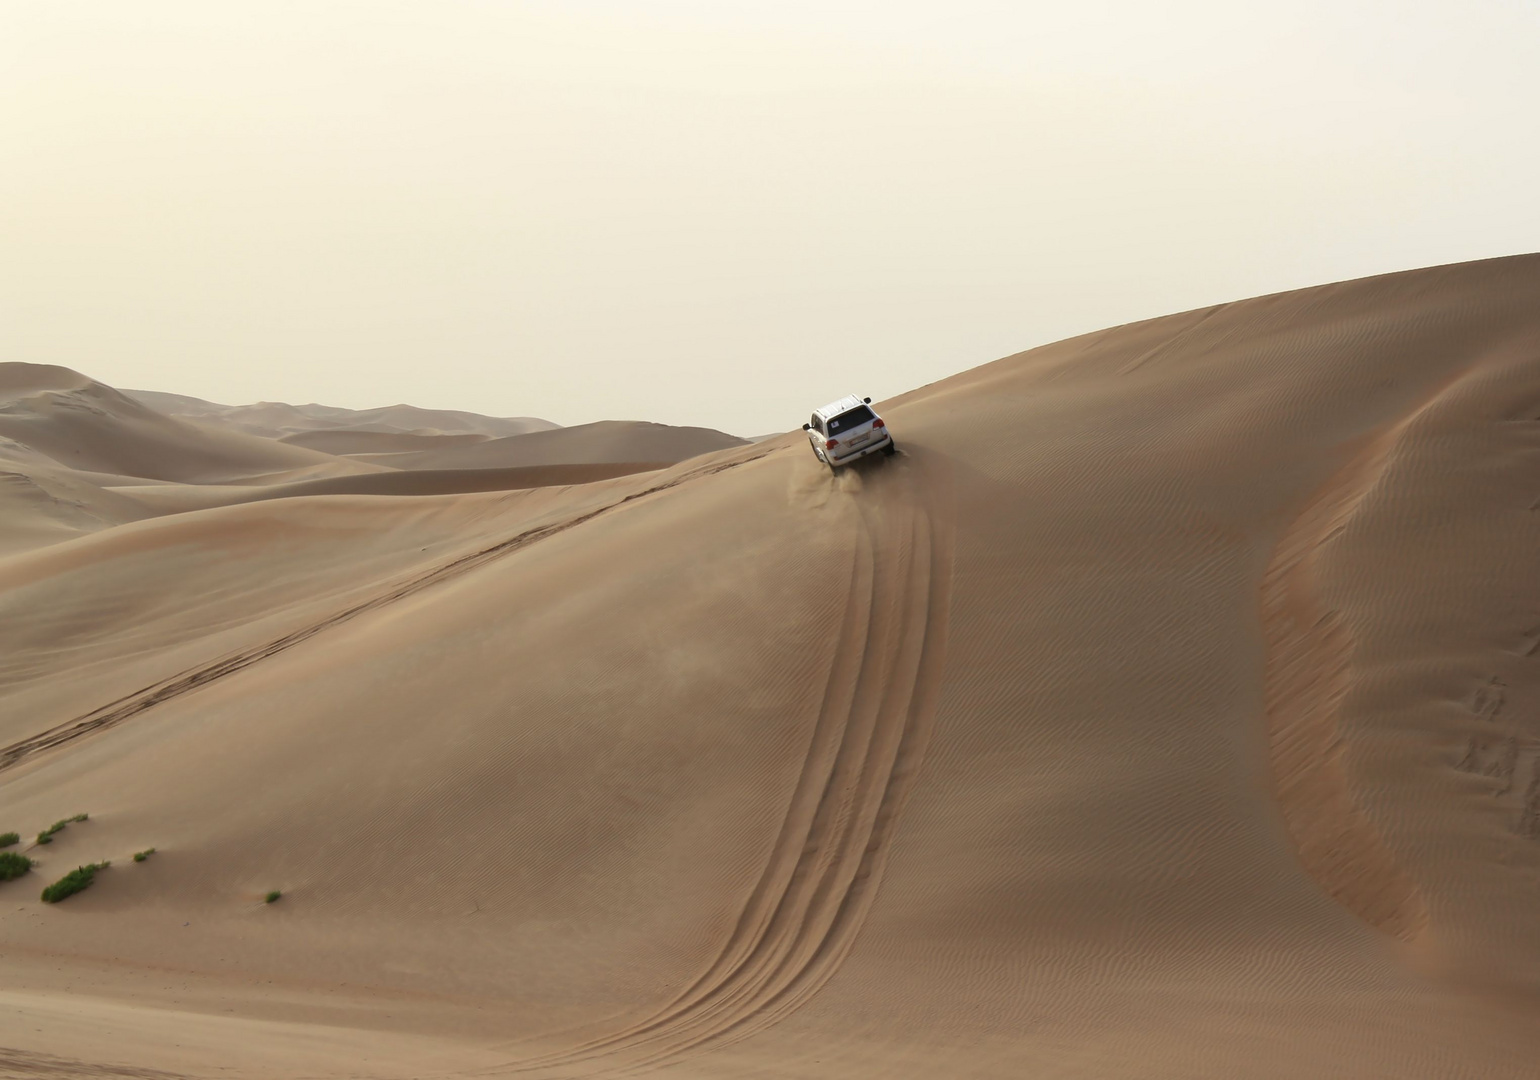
[[1425, 578], [1164, 710]]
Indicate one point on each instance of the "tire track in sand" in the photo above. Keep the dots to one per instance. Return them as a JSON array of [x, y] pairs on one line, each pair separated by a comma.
[[802, 917], [174, 686]]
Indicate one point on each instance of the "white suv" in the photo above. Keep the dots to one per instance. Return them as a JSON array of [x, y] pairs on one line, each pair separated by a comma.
[[846, 430]]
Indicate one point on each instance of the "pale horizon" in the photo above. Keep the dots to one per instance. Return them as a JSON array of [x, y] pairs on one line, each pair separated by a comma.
[[717, 218]]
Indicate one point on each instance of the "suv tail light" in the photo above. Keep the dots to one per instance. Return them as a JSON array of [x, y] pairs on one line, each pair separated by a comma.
[[831, 444], [878, 422]]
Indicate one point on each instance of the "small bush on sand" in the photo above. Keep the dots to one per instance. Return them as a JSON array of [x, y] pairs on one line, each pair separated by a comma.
[[140, 856], [7, 839], [272, 896], [12, 865], [46, 836], [72, 882]]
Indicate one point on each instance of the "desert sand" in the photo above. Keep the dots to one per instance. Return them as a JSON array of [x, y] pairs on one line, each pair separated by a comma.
[[1167, 708]]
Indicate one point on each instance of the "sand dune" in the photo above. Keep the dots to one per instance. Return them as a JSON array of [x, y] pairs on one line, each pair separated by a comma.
[[275, 419], [41, 505], [77, 456], [87, 426], [167, 499], [356, 441], [68, 444], [587, 444], [1165, 709]]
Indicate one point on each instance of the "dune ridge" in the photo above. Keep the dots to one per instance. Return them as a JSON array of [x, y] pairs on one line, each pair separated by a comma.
[[1309, 655]]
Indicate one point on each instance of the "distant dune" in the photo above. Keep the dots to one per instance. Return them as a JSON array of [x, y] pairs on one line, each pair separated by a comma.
[[392, 482], [89, 427], [588, 444], [359, 441], [68, 443], [77, 456], [276, 419], [1169, 707]]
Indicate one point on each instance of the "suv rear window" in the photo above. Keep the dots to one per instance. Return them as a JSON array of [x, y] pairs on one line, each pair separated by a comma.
[[847, 420]]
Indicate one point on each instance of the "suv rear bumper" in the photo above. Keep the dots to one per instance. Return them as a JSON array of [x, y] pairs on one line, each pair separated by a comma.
[[857, 455]]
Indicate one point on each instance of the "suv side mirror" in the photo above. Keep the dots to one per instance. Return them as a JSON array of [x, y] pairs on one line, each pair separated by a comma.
[[867, 400], [807, 427]]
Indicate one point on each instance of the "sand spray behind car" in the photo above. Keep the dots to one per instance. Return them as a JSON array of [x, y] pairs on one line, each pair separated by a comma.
[[811, 484]]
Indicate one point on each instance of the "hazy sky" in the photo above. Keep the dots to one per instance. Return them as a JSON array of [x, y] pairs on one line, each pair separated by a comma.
[[718, 212]]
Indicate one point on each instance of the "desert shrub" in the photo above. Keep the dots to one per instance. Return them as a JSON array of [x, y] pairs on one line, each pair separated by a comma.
[[72, 882], [140, 856], [46, 836], [12, 865], [272, 896], [7, 839]]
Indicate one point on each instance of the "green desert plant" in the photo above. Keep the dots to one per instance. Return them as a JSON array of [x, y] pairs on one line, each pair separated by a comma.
[[140, 856], [72, 882], [46, 836], [272, 896], [12, 865], [7, 839]]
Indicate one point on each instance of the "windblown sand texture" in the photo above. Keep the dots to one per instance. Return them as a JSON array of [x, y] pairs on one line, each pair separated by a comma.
[[1168, 708]]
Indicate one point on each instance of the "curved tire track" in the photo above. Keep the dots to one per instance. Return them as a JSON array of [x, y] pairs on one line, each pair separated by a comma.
[[803, 916]]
